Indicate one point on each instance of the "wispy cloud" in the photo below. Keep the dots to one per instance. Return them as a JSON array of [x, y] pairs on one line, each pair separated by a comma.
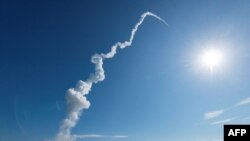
[[88, 136], [119, 136], [243, 102], [217, 113], [97, 136], [245, 118], [213, 114], [222, 121]]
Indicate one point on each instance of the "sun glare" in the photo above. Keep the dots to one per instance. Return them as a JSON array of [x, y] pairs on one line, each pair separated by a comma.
[[211, 59]]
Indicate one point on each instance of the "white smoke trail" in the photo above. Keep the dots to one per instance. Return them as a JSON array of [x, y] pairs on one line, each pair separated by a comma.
[[76, 97]]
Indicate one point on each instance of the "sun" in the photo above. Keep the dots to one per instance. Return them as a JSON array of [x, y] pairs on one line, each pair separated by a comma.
[[211, 58]]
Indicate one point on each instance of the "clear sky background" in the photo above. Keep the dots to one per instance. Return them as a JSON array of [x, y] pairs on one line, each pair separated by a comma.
[[154, 90]]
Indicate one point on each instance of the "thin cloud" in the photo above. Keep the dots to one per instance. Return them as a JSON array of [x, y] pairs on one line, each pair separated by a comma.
[[243, 102], [213, 114], [88, 136], [97, 136], [222, 121], [119, 136], [217, 113], [245, 119]]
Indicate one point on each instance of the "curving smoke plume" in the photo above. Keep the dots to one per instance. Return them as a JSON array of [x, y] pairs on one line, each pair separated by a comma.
[[76, 97]]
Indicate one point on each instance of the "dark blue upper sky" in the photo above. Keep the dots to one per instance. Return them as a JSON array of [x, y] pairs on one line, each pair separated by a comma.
[[153, 91]]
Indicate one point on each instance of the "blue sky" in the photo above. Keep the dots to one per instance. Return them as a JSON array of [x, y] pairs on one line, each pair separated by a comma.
[[153, 91]]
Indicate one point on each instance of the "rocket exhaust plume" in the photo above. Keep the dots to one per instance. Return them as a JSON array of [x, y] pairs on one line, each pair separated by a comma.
[[76, 97]]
